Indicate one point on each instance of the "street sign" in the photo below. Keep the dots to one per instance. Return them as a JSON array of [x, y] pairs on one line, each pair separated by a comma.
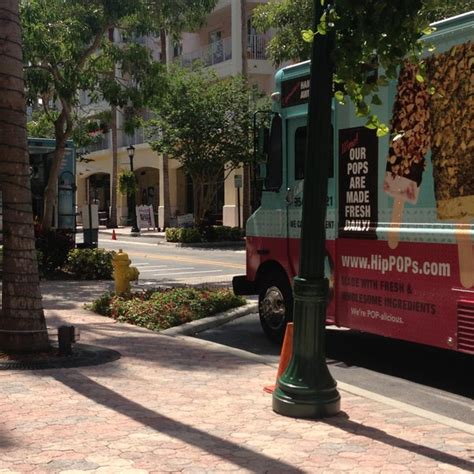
[[238, 180]]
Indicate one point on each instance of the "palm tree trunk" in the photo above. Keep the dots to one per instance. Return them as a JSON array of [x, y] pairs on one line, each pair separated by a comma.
[[246, 178], [166, 175], [113, 180], [22, 322]]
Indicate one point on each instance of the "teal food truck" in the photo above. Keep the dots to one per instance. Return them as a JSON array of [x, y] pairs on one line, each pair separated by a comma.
[[400, 208], [41, 154]]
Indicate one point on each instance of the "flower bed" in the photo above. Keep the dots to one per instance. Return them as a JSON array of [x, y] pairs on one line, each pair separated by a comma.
[[161, 309]]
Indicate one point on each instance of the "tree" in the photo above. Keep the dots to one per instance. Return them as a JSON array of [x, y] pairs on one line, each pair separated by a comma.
[[291, 17], [365, 40], [204, 123], [22, 323], [66, 50], [174, 17], [246, 204]]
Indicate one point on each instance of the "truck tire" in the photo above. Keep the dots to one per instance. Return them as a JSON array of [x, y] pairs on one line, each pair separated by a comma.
[[275, 305]]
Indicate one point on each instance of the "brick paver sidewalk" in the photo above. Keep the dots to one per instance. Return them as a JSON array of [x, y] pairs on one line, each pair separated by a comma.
[[177, 404]]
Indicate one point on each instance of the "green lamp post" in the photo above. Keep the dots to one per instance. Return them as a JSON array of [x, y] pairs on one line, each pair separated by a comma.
[[306, 389]]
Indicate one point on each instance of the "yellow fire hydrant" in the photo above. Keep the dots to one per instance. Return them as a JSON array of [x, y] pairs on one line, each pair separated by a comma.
[[123, 272]]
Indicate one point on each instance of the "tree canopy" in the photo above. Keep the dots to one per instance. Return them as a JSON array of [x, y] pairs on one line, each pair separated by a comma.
[[69, 47], [205, 124], [366, 38], [290, 17]]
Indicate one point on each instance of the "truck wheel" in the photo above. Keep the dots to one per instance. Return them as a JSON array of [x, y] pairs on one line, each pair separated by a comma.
[[275, 305]]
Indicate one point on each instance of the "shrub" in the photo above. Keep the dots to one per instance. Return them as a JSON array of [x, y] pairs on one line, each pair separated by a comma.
[[164, 308], [222, 233], [52, 248], [183, 235], [102, 304], [208, 233], [218, 233], [236, 233], [171, 234], [90, 264]]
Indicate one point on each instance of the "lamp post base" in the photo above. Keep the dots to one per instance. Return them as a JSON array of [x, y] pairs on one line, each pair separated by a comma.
[[303, 402], [306, 389]]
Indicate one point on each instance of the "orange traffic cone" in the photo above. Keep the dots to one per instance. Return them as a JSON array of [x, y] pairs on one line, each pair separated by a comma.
[[285, 356], [114, 237]]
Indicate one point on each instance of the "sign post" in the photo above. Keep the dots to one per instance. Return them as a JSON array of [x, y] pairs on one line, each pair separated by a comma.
[[238, 186]]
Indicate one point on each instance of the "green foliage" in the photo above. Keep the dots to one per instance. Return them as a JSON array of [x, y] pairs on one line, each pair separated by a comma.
[[205, 124], [176, 16], [127, 183], [221, 233], [52, 248], [289, 18], [368, 35], [90, 264], [164, 308], [183, 235], [218, 233], [40, 125], [101, 305], [66, 49], [236, 233], [447, 8]]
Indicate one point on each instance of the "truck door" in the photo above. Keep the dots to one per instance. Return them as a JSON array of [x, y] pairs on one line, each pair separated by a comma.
[[295, 152]]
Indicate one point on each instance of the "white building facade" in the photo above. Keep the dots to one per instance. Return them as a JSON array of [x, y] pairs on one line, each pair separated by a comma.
[[218, 44]]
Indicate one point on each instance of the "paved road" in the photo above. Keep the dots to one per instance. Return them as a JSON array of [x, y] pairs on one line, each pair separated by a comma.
[[160, 263]]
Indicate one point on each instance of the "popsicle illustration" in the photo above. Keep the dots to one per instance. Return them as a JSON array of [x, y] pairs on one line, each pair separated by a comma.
[[452, 122], [410, 128]]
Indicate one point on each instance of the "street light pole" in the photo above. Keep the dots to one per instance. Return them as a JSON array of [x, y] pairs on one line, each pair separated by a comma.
[[306, 389], [135, 229]]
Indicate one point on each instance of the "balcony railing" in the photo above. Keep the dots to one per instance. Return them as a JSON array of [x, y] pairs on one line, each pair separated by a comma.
[[213, 53], [257, 46], [105, 143], [101, 144], [221, 51], [136, 139]]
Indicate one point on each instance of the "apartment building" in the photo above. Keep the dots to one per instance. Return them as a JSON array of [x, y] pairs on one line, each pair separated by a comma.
[[218, 44]]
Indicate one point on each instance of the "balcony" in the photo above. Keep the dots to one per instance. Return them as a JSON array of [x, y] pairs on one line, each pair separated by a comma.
[[104, 143], [137, 138], [213, 53], [101, 144], [257, 47], [221, 51]]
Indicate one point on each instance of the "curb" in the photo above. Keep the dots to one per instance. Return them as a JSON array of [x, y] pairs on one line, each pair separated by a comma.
[[122, 234], [224, 244], [203, 324]]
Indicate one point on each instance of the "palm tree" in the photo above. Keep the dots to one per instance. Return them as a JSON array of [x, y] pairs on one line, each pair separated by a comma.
[[22, 322], [166, 176], [246, 208]]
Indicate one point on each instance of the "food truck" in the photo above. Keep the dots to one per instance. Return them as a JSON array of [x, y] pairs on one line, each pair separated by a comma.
[[400, 208], [41, 155]]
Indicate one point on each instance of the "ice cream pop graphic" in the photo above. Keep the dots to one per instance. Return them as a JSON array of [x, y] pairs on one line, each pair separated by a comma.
[[452, 149], [410, 128]]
